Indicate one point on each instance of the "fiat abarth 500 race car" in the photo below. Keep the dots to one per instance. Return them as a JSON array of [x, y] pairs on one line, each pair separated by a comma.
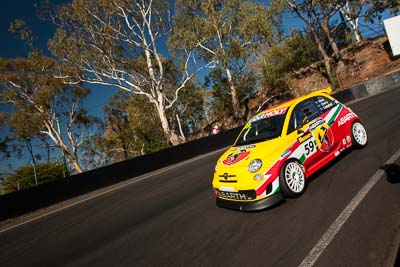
[[278, 149]]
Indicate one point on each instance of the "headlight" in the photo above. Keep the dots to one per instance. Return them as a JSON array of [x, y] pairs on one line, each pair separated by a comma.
[[255, 165], [216, 168]]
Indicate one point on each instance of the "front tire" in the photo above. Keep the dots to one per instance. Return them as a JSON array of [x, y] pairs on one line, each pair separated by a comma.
[[359, 135], [292, 179]]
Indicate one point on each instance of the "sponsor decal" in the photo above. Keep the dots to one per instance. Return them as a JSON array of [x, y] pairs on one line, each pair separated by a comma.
[[234, 195], [267, 115], [235, 157], [344, 141], [316, 123], [324, 104], [304, 137], [243, 147], [323, 135], [275, 112], [337, 153], [310, 148], [346, 118], [348, 138]]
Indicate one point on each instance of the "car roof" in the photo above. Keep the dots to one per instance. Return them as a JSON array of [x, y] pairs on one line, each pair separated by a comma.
[[287, 104]]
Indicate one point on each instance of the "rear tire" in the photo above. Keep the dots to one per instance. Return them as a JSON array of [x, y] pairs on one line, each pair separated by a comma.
[[292, 179], [359, 135]]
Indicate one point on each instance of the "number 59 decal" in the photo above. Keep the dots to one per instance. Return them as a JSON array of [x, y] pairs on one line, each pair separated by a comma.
[[310, 147]]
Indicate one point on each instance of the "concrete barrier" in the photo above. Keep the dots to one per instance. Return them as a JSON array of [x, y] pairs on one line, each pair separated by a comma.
[[369, 88], [18, 203]]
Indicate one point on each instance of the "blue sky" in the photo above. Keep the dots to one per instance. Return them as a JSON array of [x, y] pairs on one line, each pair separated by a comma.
[[11, 46]]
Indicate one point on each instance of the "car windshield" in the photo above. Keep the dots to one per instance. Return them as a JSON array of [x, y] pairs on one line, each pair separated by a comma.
[[261, 130]]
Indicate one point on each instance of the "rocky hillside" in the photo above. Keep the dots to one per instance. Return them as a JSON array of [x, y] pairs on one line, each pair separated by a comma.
[[366, 61]]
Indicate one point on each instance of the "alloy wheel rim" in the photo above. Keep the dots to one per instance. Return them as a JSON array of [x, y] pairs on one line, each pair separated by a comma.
[[294, 177], [359, 133]]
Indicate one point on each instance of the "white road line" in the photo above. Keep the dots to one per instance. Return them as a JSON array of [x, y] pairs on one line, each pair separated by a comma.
[[135, 180], [335, 227]]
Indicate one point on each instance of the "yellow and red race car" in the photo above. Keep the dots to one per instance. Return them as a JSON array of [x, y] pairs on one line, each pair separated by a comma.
[[278, 149]]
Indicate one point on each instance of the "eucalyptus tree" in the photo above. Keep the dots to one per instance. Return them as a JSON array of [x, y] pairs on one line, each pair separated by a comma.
[[376, 8], [126, 133], [120, 44], [317, 16], [44, 106], [352, 12], [222, 31]]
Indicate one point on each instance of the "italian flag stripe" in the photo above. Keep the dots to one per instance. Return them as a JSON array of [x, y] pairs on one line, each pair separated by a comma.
[[333, 118], [302, 158]]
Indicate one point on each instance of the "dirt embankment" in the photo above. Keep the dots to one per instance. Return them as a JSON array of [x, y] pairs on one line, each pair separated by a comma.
[[361, 62], [367, 61]]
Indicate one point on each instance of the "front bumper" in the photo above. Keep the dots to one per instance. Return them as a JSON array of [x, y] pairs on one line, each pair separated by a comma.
[[250, 206]]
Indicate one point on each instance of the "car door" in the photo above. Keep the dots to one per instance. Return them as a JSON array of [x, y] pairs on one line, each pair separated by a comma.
[[327, 139], [308, 128]]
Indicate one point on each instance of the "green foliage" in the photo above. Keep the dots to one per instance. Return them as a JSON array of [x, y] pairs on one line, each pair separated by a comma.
[[146, 131], [189, 109], [224, 33], [24, 178], [218, 87], [40, 103], [375, 9], [132, 128], [228, 28], [19, 26], [281, 61]]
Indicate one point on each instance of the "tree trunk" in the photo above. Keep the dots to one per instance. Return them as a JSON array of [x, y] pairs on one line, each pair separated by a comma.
[[318, 41], [172, 137], [160, 103], [235, 101], [30, 149], [356, 32], [346, 11], [75, 163], [73, 160], [323, 53], [331, 40], [183, 137]]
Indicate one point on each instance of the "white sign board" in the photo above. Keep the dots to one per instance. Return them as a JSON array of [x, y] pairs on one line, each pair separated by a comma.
[[392, 26]]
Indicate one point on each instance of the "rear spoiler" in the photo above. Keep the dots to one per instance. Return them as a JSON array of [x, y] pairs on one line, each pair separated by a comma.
[[328, 90]]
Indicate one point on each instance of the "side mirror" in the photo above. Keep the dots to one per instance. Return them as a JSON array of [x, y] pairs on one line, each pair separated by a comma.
[[300, 130], [300, 127]]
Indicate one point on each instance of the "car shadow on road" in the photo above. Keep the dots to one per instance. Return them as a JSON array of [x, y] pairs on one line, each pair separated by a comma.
[[329, 165], [392, 173]]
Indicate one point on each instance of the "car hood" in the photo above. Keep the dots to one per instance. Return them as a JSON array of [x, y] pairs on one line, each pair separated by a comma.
[[241, 156]]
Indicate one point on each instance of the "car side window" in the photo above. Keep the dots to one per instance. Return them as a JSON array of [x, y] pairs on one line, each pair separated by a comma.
[[304, 112]]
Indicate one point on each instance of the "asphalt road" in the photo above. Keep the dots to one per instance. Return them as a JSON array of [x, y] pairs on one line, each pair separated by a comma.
[[170, 219]]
